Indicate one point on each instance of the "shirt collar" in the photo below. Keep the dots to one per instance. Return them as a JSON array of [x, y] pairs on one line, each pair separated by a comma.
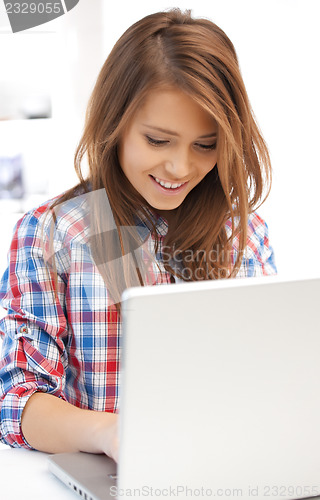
[[143, 224]]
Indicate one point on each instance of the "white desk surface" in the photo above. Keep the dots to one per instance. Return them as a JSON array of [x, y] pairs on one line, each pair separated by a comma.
[[24, 474]]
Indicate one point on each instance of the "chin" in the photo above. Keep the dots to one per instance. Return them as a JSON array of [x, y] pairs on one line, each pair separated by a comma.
[[164, 209]]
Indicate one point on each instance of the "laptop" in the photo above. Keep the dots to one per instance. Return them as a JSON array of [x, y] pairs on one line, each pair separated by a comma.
[[220, 394]]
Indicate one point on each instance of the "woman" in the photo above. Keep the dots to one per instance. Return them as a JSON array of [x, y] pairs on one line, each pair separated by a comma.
[[176, 168]]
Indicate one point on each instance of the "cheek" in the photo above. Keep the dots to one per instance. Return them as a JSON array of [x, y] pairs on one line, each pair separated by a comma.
[[127, 155], [133, 156], [209, 164]]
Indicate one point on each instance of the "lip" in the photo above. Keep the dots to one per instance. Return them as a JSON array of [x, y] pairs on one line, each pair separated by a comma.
[[168, 191]]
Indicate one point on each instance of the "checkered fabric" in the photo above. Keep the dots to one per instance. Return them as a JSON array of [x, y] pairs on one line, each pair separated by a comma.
[[69, 344]]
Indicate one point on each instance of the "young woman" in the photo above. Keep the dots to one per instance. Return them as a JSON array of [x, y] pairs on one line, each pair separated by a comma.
[[177, 167]]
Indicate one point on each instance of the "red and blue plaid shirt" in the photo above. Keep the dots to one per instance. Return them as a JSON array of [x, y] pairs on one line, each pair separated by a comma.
[[69, 345]]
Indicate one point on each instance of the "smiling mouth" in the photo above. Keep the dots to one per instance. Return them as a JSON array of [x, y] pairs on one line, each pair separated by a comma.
[[167, 184]]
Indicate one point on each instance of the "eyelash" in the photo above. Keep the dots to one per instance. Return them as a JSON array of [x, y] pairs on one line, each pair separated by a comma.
[[157, 143]]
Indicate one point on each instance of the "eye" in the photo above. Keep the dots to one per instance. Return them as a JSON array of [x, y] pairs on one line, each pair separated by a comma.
[[155, 142], [206, 147]]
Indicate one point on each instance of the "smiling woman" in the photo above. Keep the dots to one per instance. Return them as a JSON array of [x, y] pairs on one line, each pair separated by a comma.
[[177, 165], [168, 148]]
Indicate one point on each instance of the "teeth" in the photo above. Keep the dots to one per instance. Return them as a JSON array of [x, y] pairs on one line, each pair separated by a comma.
[[168, 185]]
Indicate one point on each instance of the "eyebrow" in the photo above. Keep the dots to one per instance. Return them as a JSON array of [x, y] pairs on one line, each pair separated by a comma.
[[170, 132]]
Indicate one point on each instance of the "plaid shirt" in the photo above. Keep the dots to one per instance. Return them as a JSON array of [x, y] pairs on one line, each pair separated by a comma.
[[69, 345]]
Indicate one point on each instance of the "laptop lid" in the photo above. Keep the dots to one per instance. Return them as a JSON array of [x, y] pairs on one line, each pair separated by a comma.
[[221, 389], [220, 393]]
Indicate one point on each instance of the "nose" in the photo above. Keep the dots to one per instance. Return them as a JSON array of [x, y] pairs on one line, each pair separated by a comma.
[[179, 165]]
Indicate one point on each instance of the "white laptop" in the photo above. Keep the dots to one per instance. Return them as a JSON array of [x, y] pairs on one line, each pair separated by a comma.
[[220, 395]]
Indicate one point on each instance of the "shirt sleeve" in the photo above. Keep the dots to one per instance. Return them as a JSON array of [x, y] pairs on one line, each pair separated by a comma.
[[259, 258], [35, 330]]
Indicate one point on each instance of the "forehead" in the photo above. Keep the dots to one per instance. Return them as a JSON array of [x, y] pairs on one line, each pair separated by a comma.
[[175, 110]]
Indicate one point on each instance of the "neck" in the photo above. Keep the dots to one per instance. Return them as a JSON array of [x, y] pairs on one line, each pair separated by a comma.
[[167, 214]]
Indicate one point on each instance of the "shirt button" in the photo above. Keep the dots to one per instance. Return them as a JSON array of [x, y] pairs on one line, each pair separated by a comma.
[[23, 329]]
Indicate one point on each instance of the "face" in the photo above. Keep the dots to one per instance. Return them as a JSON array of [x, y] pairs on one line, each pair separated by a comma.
[[168, 148]]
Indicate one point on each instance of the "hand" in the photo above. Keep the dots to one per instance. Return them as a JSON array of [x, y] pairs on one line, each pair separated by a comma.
[[53, 425], [108, 437]]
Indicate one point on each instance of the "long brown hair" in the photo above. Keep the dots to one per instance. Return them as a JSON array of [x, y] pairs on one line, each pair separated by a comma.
[[173, 49]]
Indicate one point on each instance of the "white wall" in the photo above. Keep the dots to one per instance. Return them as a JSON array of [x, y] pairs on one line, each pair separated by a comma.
[[277, 42]]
